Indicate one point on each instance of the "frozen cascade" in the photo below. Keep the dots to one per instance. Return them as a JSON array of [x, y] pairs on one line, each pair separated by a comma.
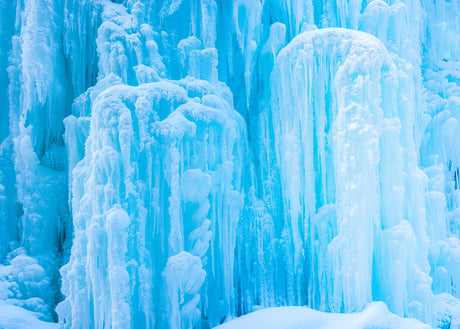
[[35, 215], [162, 205], [179, 163]]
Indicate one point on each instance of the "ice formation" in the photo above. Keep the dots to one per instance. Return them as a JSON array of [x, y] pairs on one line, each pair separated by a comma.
[[181, 163]]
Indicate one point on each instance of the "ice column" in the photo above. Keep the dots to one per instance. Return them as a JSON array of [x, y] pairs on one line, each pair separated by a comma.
[[336, 120]]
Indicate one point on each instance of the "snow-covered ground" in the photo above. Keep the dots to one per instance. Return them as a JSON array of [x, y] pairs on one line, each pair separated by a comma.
[[14, 317], [375, 316]]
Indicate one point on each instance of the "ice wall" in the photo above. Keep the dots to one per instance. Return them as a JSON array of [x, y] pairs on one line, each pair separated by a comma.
[[35, 215], [192, 161]]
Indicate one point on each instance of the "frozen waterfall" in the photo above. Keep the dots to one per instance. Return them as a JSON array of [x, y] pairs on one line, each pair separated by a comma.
[[181, 163]]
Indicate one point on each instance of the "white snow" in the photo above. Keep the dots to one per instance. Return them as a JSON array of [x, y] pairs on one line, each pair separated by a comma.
[[375, 315], [14, 317]]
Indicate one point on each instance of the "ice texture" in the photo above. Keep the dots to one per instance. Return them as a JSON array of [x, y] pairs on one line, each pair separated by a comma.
[[181, 163]]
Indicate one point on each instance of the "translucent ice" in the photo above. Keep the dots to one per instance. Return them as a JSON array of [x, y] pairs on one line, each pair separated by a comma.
[[180, 163]]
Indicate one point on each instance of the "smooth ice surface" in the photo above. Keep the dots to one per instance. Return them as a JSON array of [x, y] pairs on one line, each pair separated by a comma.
[[181, 163]]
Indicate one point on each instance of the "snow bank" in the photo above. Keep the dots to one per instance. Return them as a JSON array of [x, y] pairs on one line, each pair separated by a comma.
[[375, 316], [14, 317]]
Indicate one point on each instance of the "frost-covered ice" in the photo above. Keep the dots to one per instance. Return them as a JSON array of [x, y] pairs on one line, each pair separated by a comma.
[[181, 163]]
